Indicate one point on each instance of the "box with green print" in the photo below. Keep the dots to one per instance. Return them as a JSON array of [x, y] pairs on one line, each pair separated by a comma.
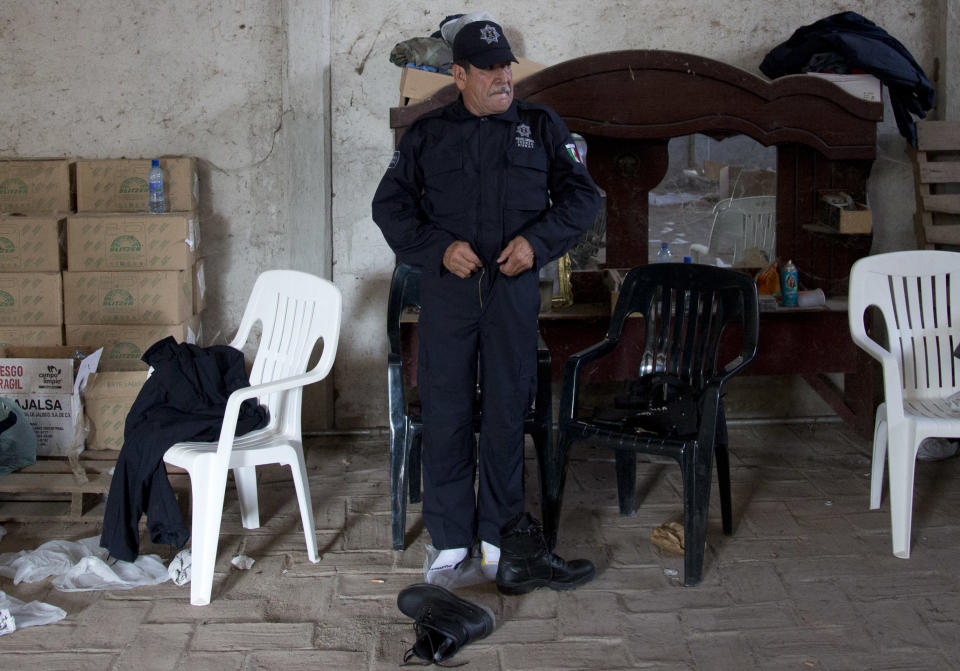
[[31, 299], [31, 243], [124, 344], [35, 186], [132, 242], [106, 402], [121, 185], [127, 297]]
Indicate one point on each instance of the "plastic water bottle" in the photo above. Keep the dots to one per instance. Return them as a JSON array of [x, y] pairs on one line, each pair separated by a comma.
[[789, 285], [158, 204], [664, 255]]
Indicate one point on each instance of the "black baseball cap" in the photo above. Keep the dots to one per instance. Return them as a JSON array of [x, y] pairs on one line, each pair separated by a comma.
[[483, 44]]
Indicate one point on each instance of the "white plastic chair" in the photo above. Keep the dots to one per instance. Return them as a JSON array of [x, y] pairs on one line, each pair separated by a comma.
[[918, 296], [738, 225], [295, 311]]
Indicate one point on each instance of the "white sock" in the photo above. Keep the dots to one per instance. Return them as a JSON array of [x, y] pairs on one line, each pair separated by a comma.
[[491, 553], [490, 558], [446, 561]]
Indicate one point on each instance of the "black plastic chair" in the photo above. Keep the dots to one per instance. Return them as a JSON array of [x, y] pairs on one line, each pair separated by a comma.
[[686, 309], [406, 424]]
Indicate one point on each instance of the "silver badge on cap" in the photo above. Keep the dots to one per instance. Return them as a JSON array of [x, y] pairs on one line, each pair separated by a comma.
[[489, 34]]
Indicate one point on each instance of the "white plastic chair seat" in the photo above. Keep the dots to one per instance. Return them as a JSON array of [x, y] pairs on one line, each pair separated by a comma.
[[295, 311], [916, 292], [256, 448], [933, 409]]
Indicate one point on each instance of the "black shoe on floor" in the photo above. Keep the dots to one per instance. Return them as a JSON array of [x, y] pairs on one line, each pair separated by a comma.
[[526, 564], [443, 622]]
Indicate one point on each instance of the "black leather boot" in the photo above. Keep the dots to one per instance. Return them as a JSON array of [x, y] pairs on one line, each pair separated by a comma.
[[443, 622], [526, 563]]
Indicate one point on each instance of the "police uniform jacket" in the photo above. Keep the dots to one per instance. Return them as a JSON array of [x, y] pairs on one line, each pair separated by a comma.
[[184, 399], [484, 180]]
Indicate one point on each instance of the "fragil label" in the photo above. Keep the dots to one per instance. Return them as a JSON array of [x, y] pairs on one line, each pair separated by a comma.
[[48, 376]]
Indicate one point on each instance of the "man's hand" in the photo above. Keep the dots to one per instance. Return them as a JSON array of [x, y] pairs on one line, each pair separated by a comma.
[[460, 260], [516, 257]]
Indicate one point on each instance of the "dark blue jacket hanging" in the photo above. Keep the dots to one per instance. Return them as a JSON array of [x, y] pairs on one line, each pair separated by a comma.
[[856, 42], [183, 400]]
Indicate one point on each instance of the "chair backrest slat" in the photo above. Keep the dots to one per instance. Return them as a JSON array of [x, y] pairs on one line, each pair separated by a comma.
[[915, 293], [295, 311], [686, 309]]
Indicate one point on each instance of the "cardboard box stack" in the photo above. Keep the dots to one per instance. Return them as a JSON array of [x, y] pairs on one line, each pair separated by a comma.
[[34, 200], [132, 279]]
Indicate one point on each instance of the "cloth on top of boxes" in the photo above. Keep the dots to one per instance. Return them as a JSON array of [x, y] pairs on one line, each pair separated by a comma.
[[848, 39], [423, 52], [183, 399], [434, 53]]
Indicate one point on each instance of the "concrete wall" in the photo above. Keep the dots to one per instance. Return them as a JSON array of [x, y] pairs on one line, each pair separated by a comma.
[[243, 85], [285, 103], [948, 50]]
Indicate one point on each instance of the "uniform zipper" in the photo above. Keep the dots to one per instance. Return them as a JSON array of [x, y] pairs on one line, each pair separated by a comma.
[[480, 286]]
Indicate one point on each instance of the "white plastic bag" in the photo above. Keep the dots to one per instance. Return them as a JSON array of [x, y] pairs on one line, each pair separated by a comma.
[[19, 614], [92, 573], [51, 558], [934, 449], [180, 568], [468, 572], [80, 566]]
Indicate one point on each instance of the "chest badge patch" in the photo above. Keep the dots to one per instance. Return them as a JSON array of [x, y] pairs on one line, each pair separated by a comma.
[[524, 137]]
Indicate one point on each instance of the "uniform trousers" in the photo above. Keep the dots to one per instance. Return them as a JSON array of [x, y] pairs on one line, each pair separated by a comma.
[[475, 332]]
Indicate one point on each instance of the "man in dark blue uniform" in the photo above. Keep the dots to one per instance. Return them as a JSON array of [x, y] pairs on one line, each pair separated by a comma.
[[482, 193]]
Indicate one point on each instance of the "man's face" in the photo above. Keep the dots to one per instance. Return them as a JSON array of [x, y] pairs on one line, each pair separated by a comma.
[[485, 90]]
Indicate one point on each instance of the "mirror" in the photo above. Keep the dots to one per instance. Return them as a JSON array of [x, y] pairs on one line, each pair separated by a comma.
[[704, 178]]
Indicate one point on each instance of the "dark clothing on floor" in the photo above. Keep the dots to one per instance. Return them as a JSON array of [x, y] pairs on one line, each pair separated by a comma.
[[183, 400], [856, 42]]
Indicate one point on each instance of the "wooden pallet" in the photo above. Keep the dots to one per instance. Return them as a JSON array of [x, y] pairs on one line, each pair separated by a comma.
[[52, 490], [937, 179]]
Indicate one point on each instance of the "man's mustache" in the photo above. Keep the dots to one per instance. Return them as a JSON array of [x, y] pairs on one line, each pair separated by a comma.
[[498, 91]]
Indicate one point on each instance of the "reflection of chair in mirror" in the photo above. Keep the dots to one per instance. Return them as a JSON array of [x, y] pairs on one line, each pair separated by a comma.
[[918, 297], [406, 422], [674, 408], [740, 224]]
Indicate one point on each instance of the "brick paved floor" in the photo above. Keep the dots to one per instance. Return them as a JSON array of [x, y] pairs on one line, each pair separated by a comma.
[[807, 581]]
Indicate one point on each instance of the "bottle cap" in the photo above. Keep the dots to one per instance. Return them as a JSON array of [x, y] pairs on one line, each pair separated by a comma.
[[155, 163], [688, 259], [663, 245]]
